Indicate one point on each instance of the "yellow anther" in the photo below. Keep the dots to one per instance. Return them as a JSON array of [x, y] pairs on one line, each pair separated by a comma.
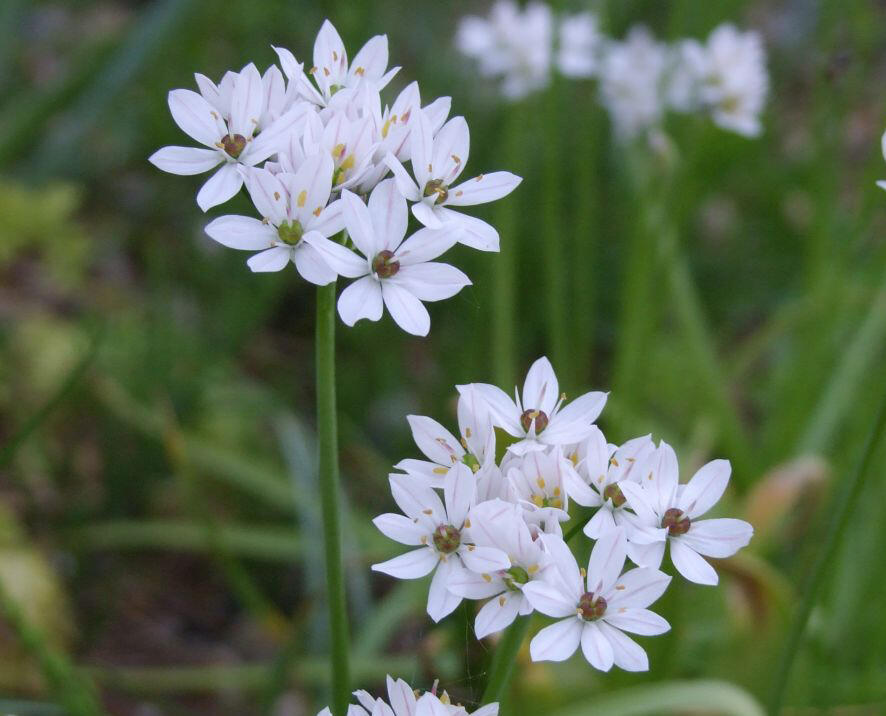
[[479, 177], [487, 577], [335, 55], [428, 512], [620, 587], [276, 196], [538, 500], [467, 524], [386, 126], [532, 569], [317, 211], [440, 470], [557, 502], [467, 432], [574, 458], [359, 71], [456, 159], [556, 492], [214, 114], [583, 572], [540, 481], [302, 198], [326, 71], [501, 601], [613, 461]]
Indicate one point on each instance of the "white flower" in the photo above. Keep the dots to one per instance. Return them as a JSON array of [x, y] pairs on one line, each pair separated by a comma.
[[667, 512], [295, 213], [331, 71], [686, 69], [230, 139], [437, 161], [475, 448], [736, 82], [442, 532], [881, 183], [350, 141], [604, 467], [393, 272], [538, 420], [580, 44], [597, 611], [512, 44], [500, 524], [631, 79], [403, 701]]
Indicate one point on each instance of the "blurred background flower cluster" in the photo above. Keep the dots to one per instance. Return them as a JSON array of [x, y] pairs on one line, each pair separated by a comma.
[[158, 514]]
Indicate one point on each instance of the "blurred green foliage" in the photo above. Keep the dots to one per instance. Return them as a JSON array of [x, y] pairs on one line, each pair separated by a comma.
[[167, 483]]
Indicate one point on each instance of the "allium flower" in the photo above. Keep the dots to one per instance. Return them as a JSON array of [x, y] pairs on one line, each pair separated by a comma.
[[596, 611], [500, 524], [538, 421], [442, 531], [229, 135], [403, 701], [881, 183], [437, 161], [631, 82], [513, 44], [294, 213], [735, 81], [395, 273], [667, 512], [580, 45]]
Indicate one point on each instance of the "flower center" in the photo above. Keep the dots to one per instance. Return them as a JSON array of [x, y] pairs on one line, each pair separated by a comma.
[[591, 607], [447, 539], [613, 492], [290, 233], [514, 577], [234, 144], [471, 461], [436, 186], [383, 266], [540, 500], [541, 420], [676, 521]]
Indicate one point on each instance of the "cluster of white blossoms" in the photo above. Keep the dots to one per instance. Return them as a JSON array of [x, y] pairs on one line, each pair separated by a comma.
[[319, 155], [404, 701], [640, 78], [486, 516]]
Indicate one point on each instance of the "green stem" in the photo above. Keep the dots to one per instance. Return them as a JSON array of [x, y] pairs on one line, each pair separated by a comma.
[[824, 564], [505, 659], [327, 473]]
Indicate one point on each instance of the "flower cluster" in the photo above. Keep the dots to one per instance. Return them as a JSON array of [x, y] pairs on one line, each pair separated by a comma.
[[485, 514], [403, 701], [640, 78], [319, 154]]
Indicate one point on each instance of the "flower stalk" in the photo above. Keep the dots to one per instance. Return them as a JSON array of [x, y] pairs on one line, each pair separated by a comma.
[[328, 476], [504, 659]]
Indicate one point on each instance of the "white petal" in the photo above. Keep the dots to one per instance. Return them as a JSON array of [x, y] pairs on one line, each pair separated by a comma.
[[435, 441], [442, 602], [692, 565], [459, 492], [665, 477], [426, 215], [541, 389], [627, 653], [430, 705], [718, 537], [637, 621], [331, 220], [185, 161], [277, 136], [483, 189], [596, 648], [484, 559], [411, 565], [241, 232], [362, 299], [311, 265], [497, 614], [359, 224], [472, 585], [601, 523], [340, 259], [430, 281], [437, 112], [389, 215], [705, 488], [309, 189], [220, 187], [401, 697], [330, 57], [247, 101], [372, 59], [641, 500], [451, 148], [502, 409], [196, 117], [421, 147], [556, 642], [573, 422], [472, 231], [416, 499], [579, 490], [548, 599], [423, 469], [271, 260], [565, 564], [606, 562], [267, 193], [425, 245], [399, 528], [407, 311], [638, 588], [408, 188]]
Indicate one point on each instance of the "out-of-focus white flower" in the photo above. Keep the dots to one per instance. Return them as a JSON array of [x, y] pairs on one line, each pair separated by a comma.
[[227, 127], [667, 512], [392, 272], [685, 73], [294, 213], [735, 82], [632, 75], [512, 44], [437, 161], [442, 533], [538, 420], [881, 183], [596, 611], [580, 45]]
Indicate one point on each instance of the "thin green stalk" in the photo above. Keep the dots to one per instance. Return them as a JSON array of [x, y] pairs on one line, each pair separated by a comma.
[[74, 692], [327, 474], [824, 564], [505, 659], [504, 265]]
